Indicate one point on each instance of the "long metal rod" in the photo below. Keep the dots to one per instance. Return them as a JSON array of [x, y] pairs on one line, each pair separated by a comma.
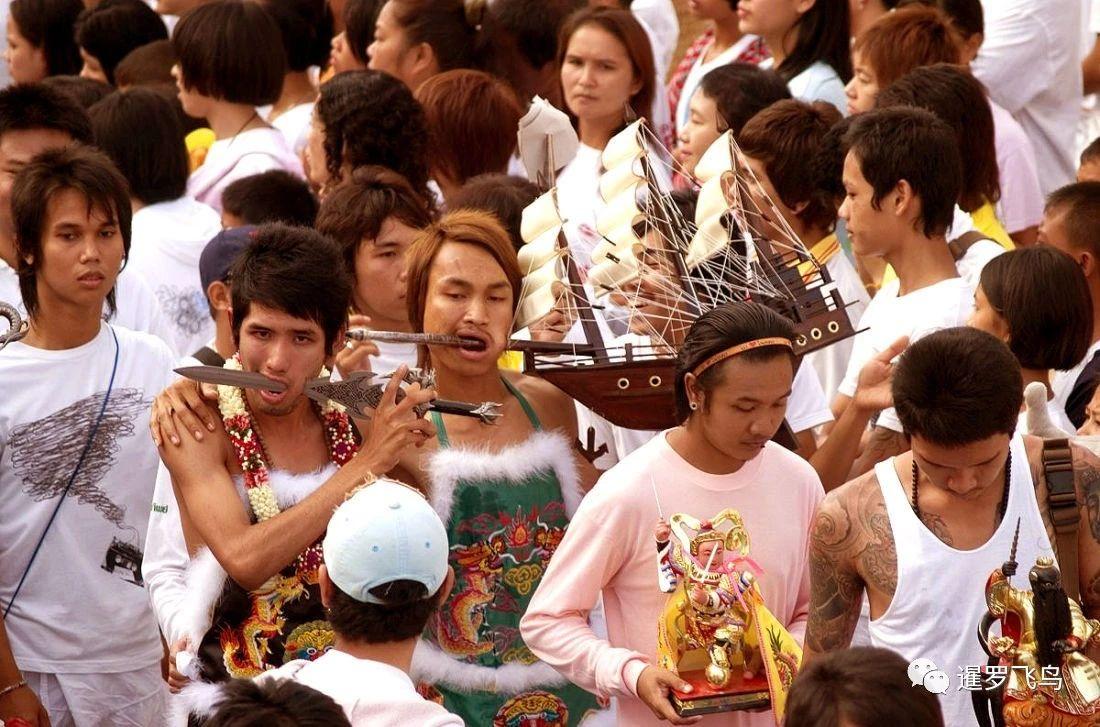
[[430, 339]]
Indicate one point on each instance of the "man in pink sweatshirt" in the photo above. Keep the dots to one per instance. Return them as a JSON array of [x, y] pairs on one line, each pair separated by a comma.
[[734, 375]]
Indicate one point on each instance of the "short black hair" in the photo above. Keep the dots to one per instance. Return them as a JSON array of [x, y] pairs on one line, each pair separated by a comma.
[[740, 91], [404, 615], [306, 27], [827, 167], [85, 91], [48, 24], [370, 117], [272, 196], [1043, 297], [359, 19], [231, 50], [1079, 205], [295, 270], [505, 196], [274, 703], [1091, 152], [910, 144], [78, 167], [110, 30], [28, 106], [953, 94], [958, 386], [720, 328], [141, 131], [860, 687]]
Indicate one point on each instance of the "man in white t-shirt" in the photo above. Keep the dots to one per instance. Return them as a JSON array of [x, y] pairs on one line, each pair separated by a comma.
[[76, 466], [1071, 223], [385, 573], [902, 175], [1030, 62], [34, 118]]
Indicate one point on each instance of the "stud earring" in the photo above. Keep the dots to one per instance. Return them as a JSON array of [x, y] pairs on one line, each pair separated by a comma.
[[693, 406]]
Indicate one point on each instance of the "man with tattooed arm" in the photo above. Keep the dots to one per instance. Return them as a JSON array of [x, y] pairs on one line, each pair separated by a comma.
[[920, 534]]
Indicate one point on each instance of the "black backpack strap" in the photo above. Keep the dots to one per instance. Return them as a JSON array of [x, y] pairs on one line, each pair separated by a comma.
[[1063, 509]]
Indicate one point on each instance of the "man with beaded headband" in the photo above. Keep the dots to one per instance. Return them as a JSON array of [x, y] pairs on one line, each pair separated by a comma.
[[918, 535], [733, 377], [256, 491]]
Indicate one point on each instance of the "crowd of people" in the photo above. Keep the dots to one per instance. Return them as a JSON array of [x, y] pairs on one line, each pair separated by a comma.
[[237, 184]]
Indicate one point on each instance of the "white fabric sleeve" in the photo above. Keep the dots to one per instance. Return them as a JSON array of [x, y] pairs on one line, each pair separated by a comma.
[[164, 565]]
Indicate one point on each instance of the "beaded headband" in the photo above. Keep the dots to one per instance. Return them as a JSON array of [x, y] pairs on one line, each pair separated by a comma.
[[740, 348]]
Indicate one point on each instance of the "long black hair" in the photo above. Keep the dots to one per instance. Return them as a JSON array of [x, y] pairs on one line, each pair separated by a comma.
[[822, 35]]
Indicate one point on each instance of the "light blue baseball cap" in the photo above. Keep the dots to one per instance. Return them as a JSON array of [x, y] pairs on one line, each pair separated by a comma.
[[385, 532]]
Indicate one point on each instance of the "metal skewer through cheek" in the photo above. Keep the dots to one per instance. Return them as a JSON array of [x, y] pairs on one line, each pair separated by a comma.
[[432, 339]]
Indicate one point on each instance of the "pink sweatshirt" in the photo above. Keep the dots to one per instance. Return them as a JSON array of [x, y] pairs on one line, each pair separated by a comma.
[[609, 549]]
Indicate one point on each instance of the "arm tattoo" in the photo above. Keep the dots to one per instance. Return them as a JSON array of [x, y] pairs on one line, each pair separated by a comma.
[[878, 560], [1086, 475], [835, 589], [882, 444], [1090, 598]]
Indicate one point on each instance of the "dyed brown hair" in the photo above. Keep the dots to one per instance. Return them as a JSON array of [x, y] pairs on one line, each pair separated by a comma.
[[472, 119], [356, 209], [785, 137], [906, 39], [624, 27], [466, 227]]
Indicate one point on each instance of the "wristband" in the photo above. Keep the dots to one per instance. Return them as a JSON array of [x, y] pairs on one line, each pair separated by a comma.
[[12, 687]]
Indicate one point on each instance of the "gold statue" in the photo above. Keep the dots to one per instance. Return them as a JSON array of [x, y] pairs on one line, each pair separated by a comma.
[[714, 630], [1043, 637]]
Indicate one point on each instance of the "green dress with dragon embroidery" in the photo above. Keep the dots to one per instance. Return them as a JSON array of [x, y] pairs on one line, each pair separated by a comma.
[[506, 513]]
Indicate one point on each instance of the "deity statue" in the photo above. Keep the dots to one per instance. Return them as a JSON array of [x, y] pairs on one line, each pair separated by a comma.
[[1044, 636], [714, 630]]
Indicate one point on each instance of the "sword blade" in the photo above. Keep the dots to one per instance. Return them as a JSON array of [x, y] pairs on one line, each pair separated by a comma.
[[229, 377]]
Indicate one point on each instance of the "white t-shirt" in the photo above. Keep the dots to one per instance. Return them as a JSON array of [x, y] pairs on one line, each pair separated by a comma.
[[391, 356], [819, 82], [831, 362], [945, 304], [1030, 62], [294, 123], [1021, 203], [250, 152], [700, 69], [137, 308], [372, 694], [1061, 382], [83, 608], [168, 239], [807, 408]]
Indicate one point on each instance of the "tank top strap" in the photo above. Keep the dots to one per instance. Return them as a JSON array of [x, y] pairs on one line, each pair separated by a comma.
[[441, 428], [527, 408]]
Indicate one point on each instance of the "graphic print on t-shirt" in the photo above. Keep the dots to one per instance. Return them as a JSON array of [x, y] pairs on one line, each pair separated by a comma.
[[45, 452], [186, 309]]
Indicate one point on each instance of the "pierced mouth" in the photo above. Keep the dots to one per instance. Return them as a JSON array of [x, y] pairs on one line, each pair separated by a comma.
[[473, 341]]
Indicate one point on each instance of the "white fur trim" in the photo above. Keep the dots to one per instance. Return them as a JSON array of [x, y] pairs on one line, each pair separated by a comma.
[[542, 450], [432, 666], [197, 698], [205, 581], [290, 488]]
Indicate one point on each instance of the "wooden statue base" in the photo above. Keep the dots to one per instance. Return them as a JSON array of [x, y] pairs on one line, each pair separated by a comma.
[[705, 698]]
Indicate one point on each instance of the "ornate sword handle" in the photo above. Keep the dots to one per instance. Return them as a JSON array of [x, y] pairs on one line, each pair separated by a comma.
[[487, 411]]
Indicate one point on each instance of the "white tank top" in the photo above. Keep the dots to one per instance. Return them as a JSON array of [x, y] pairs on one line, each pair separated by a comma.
[[940, 596]]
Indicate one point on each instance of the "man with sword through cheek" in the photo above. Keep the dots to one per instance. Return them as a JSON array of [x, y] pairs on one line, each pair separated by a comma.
[[256, 490]]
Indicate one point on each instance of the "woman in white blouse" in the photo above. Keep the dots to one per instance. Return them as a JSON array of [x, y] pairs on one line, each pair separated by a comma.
[[808, 40]]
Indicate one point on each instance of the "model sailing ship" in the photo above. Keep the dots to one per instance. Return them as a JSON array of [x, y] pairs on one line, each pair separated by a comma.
[[738, 247]]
